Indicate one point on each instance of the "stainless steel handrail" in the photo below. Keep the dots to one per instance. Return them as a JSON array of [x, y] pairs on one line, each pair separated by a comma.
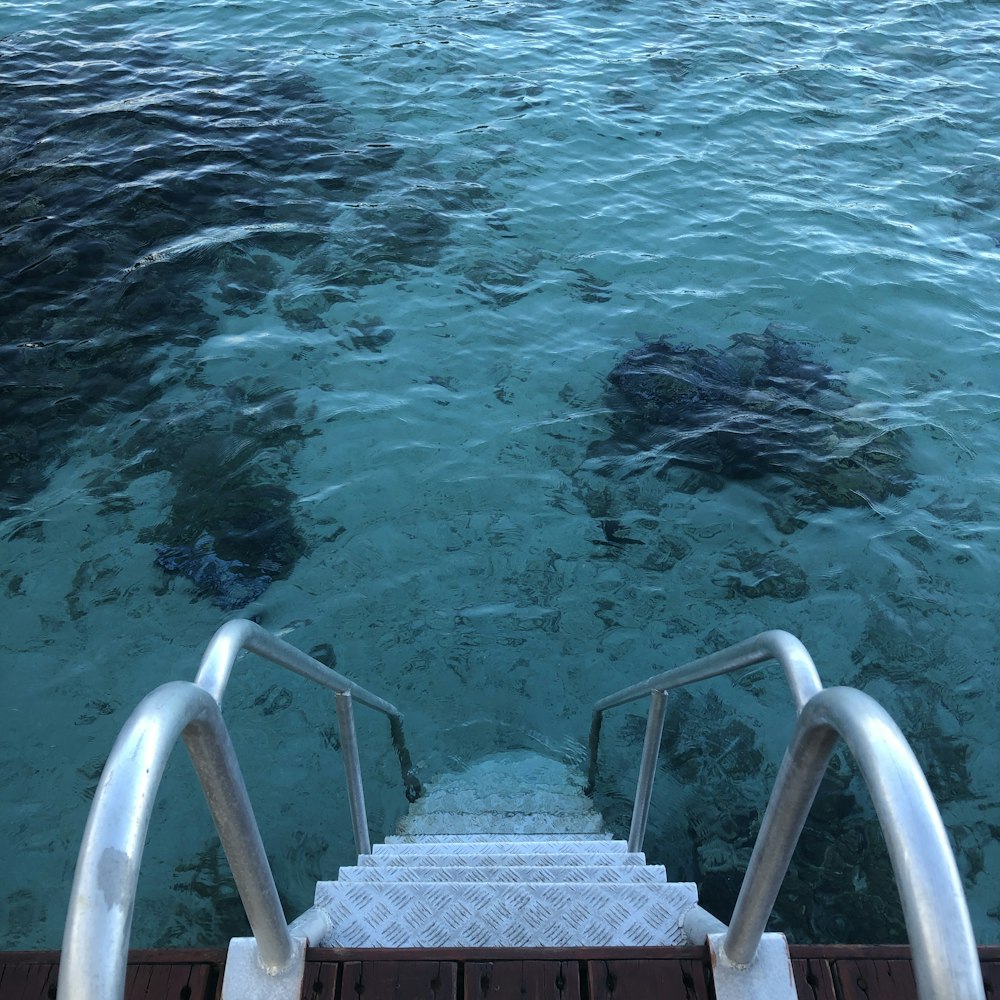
[[99, 921], [800, 672], [945, 959], [233, 637]]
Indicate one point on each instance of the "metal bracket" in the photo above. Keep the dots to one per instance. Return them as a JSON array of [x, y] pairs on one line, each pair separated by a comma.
[[246, 979], [769, 975]]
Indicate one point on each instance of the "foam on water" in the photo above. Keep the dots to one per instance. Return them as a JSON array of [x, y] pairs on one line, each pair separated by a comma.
[[376, 263]]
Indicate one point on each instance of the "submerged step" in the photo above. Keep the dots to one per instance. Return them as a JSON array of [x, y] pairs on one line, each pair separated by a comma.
[[570, 823], [611, 874], [474, 800], [472, 858], [488, 838], [549, 845], [541, 915]]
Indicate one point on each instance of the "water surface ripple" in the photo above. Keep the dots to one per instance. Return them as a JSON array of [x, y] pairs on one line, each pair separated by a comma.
[[309, 313]]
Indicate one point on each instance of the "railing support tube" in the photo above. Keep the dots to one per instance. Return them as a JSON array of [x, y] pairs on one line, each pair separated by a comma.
[[800, 673], [352, 769], [647, 770], [945, 960], [99, 921], [235, 636]]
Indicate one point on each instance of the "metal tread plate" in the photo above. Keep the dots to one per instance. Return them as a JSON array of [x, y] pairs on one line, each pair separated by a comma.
[[559, 824], [610, 874], [472, 800], [501, 844], [523, 915], [487, 838], [470, 859]]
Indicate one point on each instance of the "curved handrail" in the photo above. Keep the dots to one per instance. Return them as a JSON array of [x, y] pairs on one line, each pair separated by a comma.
[[99, 921], [233, 637], [775, 644], [800, 672], [945, 960]]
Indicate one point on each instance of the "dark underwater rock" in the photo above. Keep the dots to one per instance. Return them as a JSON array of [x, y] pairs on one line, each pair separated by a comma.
[[762, 406], [229, 582], [230, 526]]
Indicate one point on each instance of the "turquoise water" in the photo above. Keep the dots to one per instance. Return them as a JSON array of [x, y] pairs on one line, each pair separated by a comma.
[[341, 289]]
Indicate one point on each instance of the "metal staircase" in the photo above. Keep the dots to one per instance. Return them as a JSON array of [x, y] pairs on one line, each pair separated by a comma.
[[526, 864], [508, 853]]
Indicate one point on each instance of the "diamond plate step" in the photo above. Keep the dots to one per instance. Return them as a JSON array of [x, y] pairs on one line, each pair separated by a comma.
[[459, 800], [464, 915], [487, 838], [564, 845], [470, 860], [499, 822], [512, 769], [492, 873]]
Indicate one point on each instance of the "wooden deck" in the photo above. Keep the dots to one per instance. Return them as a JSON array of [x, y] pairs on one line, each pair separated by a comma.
[[834, 972]]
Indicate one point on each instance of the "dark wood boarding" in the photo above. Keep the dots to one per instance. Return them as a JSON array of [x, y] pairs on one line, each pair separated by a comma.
[[822, 972]]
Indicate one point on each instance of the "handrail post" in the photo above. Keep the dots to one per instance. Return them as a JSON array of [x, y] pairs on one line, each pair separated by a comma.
[[647, 770], [411, 783], [352, 769], [592, 745], [214, 758]]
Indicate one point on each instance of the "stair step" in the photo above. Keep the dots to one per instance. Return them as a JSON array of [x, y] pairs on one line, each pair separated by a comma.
[[473, 800], [553, 845], [512, 769], [612, 874], [500, 822], [473, 859], [465, 915], [488, 838]]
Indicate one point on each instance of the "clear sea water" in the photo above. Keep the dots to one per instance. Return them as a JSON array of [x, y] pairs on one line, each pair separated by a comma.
[[369, 266]]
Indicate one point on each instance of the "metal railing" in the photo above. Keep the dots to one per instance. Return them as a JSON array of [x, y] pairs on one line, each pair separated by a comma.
[[99, 919], [227, 643], [800, 672], [945, 959]]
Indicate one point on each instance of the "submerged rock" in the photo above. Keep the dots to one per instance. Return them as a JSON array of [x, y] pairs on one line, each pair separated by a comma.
[[761, 406]]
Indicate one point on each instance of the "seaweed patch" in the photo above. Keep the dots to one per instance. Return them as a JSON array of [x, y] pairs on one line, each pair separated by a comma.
[[762, 407]]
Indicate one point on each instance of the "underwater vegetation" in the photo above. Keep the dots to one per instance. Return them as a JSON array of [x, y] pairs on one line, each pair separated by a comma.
[[760, 407], [230, 527], [142, 190], [145, 192]]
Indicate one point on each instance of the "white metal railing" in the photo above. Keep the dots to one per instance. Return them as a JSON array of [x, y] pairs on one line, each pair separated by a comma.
[[800, 672], [945, 959], [99, 919]]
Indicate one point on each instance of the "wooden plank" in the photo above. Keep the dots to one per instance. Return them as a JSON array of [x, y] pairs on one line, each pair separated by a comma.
[[637, 979], [549, 980], [991, 979], [170, 981], [875, 979], [320, 981], [28, 980], [813, 979], [393, 980]]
